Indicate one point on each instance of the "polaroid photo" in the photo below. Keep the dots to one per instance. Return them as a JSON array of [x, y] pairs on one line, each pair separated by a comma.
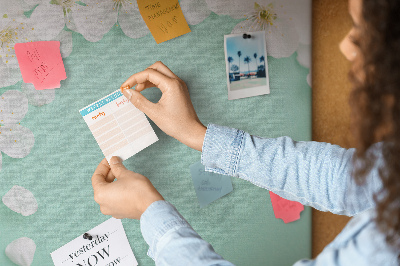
[[246, 65]]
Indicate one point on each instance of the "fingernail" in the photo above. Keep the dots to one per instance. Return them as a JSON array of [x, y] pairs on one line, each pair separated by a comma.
[[124, 88], [128, 94], [115, 160]]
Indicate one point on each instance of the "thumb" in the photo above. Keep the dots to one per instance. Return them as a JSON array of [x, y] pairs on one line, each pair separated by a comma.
[[138, 100], [117, 167]]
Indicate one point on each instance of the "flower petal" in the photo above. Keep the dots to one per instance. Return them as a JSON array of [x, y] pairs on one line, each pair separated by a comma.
[[65, 39], [20, 200], [95, 19], [21, 251], [132, 23], [16, 141], [37, 97], [233, 8], [300, 12], [11, 9], [15, 31], [14, 106], [8, 76], [195, 11], [304, 55], [47, 21]]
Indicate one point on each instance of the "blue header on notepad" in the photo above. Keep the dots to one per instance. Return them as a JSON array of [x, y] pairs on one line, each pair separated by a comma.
[[100, 103]]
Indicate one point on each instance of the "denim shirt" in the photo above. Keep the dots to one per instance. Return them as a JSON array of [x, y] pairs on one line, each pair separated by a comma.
[[312, 173]]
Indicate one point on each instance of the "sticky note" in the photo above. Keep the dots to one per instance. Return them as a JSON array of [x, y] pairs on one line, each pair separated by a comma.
[[164, 18], [118, 126], [284, 209], [209, 186], [108, 246], [41, 63]]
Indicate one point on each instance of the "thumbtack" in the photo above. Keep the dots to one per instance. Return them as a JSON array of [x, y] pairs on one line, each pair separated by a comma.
[[246, 36], [87, 236]]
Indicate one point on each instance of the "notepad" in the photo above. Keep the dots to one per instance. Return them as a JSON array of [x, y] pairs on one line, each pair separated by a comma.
[[118, 126]]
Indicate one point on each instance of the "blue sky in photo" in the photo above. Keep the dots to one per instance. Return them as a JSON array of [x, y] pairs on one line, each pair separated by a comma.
[[248, 47]]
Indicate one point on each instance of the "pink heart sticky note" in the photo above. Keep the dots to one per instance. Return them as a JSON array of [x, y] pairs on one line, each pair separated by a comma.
[[284, 209], [41, 63]]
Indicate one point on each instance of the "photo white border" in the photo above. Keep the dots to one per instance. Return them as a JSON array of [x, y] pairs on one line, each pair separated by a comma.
[[247, 92]]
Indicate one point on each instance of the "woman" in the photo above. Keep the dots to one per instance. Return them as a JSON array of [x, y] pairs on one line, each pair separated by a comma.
[[316, 174]]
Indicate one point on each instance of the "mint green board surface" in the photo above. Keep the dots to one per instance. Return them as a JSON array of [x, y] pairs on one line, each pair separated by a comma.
[[240, 226]]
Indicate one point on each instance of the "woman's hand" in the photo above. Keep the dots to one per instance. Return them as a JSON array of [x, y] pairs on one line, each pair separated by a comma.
[[128, 196], [173, 113]]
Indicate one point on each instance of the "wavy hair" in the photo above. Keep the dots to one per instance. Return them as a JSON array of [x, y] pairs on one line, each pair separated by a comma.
[[375, 103]]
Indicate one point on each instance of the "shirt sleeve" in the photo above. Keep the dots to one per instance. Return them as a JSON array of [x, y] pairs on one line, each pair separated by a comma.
[[312, 173], [172, 241]]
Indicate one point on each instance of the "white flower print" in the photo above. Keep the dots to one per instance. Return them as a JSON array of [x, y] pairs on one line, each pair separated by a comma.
[[96, 18], [15, 140], [282, 21]]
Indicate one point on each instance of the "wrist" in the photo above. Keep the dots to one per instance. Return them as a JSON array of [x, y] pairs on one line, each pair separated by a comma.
[[196, 136]]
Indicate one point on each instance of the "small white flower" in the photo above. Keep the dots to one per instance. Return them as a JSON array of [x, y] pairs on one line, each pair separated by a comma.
[[15, 140], [284, 22], [281, 36]]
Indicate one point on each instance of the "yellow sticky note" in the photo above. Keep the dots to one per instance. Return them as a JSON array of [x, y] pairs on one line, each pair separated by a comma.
[[164, 18]]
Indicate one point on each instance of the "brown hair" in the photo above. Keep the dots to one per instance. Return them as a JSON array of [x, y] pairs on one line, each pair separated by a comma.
[[375, 102]]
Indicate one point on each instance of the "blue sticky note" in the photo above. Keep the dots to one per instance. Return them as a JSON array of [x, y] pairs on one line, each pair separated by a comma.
[[209, 186]]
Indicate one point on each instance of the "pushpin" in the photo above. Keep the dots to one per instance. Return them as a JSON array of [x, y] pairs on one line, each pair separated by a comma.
[[246, 36], [87, 236]]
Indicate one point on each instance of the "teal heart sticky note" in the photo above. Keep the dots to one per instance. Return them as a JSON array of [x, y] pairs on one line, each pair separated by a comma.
[[209, 186]]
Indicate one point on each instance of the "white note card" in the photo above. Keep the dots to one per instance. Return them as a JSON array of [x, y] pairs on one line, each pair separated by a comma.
[[118, 126], [108, 247]]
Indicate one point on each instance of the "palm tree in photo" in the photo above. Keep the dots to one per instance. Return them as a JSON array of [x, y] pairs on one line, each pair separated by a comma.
[[230, 60], [247, 60], [255, 58], [262, 59], [239, 55]]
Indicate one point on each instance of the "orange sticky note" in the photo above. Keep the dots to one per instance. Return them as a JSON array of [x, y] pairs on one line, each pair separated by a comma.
[[284, 209], [41, 63], [164, 18]]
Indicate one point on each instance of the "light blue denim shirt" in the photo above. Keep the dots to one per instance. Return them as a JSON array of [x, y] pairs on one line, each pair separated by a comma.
[[312, 173]]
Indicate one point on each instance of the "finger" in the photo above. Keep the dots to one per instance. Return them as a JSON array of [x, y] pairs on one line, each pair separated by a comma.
[[140, 102], [160, 67], [159, 80], [100, 174], [110, 177], [143, 86], [118, 169]]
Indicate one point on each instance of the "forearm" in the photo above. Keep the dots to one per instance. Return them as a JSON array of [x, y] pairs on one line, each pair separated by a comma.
[[172, 241], [312, 173]]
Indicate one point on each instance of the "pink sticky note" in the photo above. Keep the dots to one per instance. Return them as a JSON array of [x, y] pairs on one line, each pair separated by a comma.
[[41, 63], [284, 209]]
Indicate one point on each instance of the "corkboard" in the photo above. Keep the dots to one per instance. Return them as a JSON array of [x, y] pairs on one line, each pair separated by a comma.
[[331, 89]]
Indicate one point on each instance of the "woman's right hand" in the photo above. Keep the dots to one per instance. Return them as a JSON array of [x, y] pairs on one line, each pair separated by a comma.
[[173, 113]]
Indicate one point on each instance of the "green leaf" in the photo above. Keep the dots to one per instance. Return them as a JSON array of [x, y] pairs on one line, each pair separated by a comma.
[[5, 16], [80, 3], [53, 2]]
